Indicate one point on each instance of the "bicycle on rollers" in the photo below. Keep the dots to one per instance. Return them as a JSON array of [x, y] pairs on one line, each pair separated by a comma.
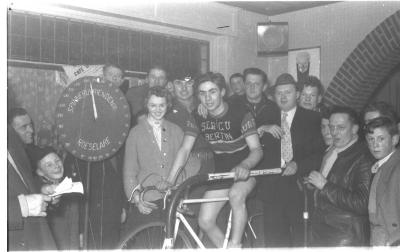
[[169, 234]]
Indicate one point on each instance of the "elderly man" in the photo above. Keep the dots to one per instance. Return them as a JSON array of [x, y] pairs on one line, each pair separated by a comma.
[[342, 186], [382, 136]]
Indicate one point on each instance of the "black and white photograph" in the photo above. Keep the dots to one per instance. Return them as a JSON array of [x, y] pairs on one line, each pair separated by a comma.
[[137, 125]]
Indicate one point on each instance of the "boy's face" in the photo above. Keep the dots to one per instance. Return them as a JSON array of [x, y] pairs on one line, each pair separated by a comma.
[[381, 143], [211, 97], [51, 167]]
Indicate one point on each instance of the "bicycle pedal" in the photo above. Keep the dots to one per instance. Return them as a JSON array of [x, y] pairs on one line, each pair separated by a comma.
[[186, 211]]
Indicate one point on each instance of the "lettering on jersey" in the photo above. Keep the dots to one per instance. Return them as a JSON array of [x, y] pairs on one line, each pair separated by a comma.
[[218, 125], [217, 130], [249, 124]]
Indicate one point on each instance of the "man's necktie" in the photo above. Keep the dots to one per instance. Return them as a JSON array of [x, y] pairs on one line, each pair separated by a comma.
[[374, 184], [286, 140]]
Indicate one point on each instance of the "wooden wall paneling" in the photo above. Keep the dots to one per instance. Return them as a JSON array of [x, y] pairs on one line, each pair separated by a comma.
[[134, 52], [157, 49], [17, 31], [33, 38], [61, 42], [173, 56], [47, 34], [123, 48], [99, 42], [145, 50], [112, 45], [88, 49], [75, 43], [168, 50], [64, 41]]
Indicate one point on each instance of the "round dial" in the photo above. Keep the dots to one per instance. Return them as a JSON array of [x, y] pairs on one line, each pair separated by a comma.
[[92, 119], [273, 38]]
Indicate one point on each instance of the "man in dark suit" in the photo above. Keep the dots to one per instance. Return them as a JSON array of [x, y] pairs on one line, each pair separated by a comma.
[[26, 207], [382, 135], [301, 151]]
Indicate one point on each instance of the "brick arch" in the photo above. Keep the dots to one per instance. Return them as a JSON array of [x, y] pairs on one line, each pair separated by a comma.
[[367, 66]]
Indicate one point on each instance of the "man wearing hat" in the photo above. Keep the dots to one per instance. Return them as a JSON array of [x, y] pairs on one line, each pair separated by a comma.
[[301, 149]]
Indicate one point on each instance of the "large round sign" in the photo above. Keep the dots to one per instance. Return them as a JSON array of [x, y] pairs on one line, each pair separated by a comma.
[[92, 119]]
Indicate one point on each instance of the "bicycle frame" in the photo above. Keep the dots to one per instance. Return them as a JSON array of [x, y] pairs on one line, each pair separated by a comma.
[[174, 217]]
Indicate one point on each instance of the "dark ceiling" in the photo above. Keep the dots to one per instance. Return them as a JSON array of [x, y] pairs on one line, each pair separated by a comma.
[[271, 8]]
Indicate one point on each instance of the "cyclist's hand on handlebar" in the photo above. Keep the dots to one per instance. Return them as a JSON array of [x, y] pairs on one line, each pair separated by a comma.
[[241, 173], [163, 185], [146, 207]]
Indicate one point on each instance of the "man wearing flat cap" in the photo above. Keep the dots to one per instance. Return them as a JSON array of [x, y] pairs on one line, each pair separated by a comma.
[[301, 147]]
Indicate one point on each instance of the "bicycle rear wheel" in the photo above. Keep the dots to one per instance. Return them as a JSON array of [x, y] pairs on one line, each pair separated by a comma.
[[151, 236]]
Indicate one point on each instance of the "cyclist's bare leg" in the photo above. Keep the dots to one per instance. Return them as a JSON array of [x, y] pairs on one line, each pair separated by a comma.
[[237, 199], [208, 216]]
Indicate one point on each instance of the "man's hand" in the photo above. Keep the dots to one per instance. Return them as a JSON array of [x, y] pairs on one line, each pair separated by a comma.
[[163, 185], [48, 189], [317, 179], [241, 173], [202, 110], [145, 207], [290, 169], [37, 204], [273, 129]]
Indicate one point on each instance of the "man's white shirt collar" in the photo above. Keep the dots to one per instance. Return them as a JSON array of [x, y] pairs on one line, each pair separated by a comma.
[[290, 115], [380, 162]]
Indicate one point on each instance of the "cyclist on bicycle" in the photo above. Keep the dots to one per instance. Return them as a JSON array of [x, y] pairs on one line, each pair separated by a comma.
[[232, 133]]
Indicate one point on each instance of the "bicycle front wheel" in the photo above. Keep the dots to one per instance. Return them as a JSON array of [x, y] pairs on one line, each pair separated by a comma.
[[151, 236]]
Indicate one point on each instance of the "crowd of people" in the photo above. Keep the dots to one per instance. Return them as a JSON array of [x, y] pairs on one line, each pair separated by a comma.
[[347, 163]]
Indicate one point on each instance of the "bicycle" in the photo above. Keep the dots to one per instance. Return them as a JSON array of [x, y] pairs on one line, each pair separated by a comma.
[[168, 234]]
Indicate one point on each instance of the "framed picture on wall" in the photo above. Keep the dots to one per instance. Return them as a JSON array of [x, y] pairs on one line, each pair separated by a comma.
[[303, 62], [272, 38]]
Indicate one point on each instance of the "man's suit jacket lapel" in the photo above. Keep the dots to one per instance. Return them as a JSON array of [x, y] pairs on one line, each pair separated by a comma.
[[387, 169], [294, 128], [22, 162]]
